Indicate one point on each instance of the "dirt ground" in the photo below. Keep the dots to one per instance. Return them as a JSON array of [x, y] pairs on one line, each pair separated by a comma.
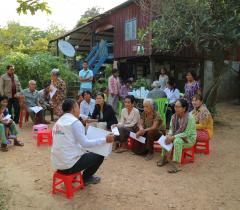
[[129, 182]]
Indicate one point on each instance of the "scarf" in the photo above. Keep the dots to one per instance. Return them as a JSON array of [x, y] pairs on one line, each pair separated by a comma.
[[179, 124], [201, 114]]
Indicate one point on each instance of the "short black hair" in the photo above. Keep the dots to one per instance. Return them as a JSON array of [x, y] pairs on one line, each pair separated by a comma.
[[3, 98], [198, 97], [193, 73], [9, 66], [68, 105], [184, 103], [100, 94], [102, 89], [86, 91], [114, 71], [172, 82], [85, 62], [131, 98]]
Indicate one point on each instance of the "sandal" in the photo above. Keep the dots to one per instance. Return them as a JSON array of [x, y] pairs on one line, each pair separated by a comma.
[[121, 150], [18, 143], [162, 162], [4, 147], [174, 169]]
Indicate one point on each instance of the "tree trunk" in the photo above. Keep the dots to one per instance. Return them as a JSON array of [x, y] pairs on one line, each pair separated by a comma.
[[219, 70]]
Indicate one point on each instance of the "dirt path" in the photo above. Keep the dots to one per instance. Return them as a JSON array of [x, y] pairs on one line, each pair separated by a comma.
[[129, 182]]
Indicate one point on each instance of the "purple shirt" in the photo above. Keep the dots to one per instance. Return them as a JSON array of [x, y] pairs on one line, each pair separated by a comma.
[[190, 90]]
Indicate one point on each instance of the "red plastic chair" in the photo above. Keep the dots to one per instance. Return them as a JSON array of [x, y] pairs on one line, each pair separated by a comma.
[[23, 113], [202, 147], [130, 143], [68, 180], [187, 155], [44, 137]]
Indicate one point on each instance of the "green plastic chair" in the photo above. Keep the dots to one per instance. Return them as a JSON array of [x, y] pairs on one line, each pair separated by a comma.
[[162, 105], [120, 105]]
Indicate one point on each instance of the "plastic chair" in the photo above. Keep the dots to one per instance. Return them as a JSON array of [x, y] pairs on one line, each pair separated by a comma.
[[37, 128], [187, 155], [68, 180], [120, 105], [44, 137], [130, 143], [202, 147], [157, 147], [162, 104]]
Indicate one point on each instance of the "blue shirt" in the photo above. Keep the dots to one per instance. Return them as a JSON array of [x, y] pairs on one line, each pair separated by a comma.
[[86, 74], [87, 108]]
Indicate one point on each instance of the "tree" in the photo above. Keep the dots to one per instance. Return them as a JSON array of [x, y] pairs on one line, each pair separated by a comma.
[[33, 6], [88, 14], [210, 26]]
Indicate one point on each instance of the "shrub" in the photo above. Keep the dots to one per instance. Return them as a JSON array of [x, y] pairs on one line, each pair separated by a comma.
[[37, 67]]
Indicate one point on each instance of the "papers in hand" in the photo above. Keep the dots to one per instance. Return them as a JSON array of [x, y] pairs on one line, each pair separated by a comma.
[[163, 144], [53, 91], [83, 116], [115, 131], [7, 117], [140, 138], [97, 133], [36, 109]]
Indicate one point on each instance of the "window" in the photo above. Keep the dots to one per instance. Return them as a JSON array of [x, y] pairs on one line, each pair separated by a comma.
[[131, 30]]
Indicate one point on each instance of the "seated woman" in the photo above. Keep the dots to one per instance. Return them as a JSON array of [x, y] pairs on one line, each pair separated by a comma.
[[103, 113], [149, 127], [203, 118], [3, 138], [9, 125], [173, 94], [129, 121], [182, 134]]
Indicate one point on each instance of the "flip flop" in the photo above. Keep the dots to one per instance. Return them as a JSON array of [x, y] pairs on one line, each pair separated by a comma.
[[121, 150], [162, 163], [174, 170]]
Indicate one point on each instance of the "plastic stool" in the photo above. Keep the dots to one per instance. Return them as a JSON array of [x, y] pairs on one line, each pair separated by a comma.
[[202, 147], [68, 180], [44, 137], [37, 128], [157, 147], [187, 155]]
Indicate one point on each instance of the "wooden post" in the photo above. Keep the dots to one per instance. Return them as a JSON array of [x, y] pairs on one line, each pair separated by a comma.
[[152, 68]]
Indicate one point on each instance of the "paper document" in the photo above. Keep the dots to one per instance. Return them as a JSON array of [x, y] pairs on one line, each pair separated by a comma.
[[115, 131], [36, 109], [140, 138], [162, 140], [7, 117], [53, 91], [97, 133], [83, 116]]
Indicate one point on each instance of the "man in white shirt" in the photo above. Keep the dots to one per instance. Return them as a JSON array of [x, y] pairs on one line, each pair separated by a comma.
[[87, 105], [69, 140]]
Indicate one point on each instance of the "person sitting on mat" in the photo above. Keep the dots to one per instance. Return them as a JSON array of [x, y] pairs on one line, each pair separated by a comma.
[[182, 134], [68, 155]]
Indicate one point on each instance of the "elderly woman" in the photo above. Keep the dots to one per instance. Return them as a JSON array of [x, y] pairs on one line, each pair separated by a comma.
[[59, 87], [156, 92], [182, 134], [149, 127], [129, 121], [203, 118], [103, 113]]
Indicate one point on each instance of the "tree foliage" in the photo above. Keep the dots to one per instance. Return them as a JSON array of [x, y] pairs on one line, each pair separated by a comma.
[[37, 67], [88, 14], [212, 27], [32, 6]]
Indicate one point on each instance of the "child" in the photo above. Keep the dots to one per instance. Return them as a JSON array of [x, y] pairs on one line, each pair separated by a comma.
[[9, 125]]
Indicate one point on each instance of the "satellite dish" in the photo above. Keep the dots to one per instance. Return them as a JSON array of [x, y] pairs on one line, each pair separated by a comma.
[[66, 48]]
